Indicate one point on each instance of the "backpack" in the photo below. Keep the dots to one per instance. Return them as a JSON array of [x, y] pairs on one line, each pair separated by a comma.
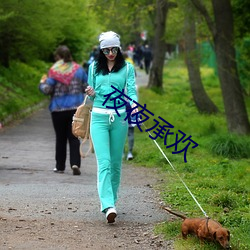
[[81, 126]]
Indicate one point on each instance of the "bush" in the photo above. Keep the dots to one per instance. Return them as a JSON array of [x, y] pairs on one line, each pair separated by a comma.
[[231, 146], [19, 88], [224, 200]]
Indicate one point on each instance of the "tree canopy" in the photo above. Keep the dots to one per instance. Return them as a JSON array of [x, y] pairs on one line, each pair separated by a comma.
[[27, 32]]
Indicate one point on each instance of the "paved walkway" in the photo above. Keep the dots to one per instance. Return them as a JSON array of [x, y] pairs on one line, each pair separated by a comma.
[[29, 189], [141, 78], [26, 163], [27, 158]]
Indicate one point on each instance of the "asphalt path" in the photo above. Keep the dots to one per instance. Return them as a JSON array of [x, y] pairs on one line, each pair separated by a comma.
[[26, 164], [31, 190]]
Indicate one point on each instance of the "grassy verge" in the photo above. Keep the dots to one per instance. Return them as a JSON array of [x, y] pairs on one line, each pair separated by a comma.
[[19, 88], [217, 171]]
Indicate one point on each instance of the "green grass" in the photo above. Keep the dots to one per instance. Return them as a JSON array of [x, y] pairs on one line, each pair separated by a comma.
[[216, 172], [19, 88]]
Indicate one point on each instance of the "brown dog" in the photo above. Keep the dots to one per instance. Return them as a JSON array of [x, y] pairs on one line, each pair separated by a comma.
[[204, 229]]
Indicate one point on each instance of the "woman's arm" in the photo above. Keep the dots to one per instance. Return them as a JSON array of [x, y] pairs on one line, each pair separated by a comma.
[[131, 87], [46, 85], [131, 84], [90, 88]]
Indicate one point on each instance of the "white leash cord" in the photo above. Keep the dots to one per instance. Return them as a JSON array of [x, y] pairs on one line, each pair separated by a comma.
[[178, 175]]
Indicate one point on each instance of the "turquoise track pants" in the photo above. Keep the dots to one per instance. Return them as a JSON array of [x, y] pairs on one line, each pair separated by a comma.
[[108, 139]]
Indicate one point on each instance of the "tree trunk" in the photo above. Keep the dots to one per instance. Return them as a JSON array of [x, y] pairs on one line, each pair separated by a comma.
[[201, 99], [233, 97], [223, 38], [159, 47]]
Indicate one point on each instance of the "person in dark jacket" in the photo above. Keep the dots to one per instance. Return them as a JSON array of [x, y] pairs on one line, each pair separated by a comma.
[[147, 54]]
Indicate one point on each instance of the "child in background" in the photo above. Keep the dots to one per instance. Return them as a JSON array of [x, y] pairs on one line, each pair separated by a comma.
[[130, 137], [130, 127]]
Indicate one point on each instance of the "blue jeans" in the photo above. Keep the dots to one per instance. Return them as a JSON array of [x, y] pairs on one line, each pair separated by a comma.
[[108, 139]]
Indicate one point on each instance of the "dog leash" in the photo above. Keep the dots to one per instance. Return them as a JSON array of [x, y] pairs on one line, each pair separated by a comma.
[[178, 175]]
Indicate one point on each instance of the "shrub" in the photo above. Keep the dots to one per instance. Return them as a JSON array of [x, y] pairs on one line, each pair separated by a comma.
[[231, 146], [223, 200]]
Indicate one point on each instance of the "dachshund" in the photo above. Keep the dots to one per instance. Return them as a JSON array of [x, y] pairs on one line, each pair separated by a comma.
[[204, 229]]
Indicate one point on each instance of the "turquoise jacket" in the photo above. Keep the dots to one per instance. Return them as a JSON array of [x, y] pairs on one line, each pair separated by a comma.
[[123, 79]]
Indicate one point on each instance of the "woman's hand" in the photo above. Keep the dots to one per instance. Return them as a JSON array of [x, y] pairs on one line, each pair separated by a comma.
[[135, 110], [90, 91], [43, 79]]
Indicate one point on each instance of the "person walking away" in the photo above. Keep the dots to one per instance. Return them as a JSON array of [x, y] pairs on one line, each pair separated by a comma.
[[109, 130], [139, 56], [147, 54], [65, 84], [93, 55], [131, 127]]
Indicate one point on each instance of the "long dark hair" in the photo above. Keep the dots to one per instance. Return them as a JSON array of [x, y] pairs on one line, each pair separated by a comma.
[[102, 67]]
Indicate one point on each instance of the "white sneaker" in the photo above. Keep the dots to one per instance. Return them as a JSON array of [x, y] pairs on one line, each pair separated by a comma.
[[58, 171], [129, 156], [111, 214]]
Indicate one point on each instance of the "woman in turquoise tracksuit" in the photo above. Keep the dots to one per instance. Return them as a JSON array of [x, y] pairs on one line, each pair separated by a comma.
[[109, 130]]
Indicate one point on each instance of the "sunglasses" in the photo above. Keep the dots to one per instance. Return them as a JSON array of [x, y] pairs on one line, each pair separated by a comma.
[[106, 51]]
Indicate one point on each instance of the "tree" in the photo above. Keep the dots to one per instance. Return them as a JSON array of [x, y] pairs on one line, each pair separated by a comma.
[[223, 38], [241, 17], [28, 33], [127, 17], [242, 33], [159, 44], [201, 99]]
